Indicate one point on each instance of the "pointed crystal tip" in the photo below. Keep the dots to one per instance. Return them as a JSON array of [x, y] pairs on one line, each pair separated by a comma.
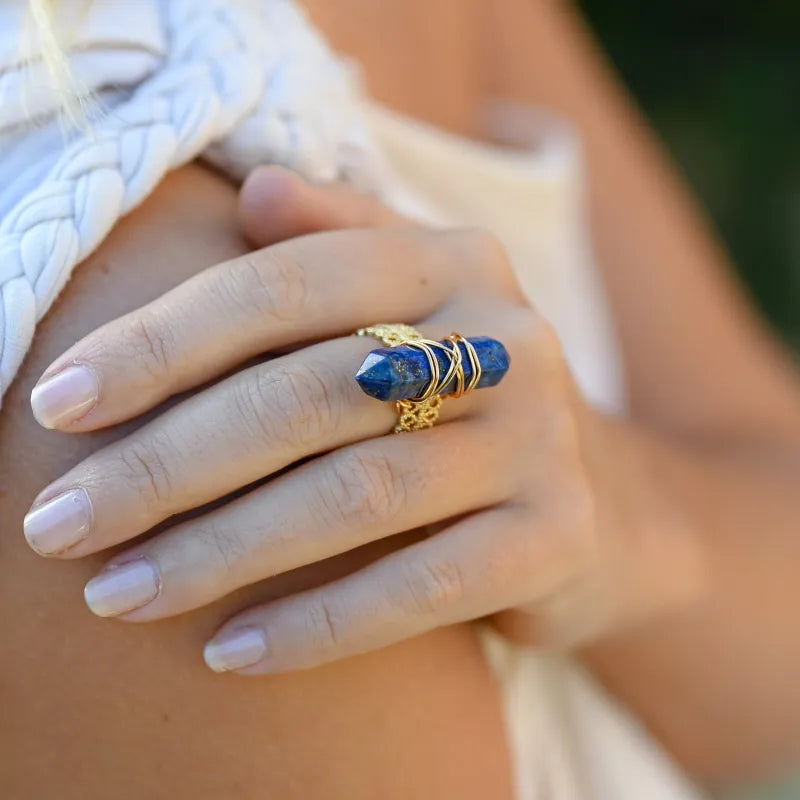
[[403, 372]]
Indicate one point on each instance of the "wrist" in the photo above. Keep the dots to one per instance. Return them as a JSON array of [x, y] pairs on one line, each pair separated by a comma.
[[651, 556]]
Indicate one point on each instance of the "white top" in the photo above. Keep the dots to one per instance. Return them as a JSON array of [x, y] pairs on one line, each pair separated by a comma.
[[242, 82]]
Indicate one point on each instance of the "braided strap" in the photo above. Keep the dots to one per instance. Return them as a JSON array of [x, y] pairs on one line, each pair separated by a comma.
[[247, 82]]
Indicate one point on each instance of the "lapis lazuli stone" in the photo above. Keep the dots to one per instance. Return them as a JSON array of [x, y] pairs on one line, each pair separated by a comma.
[[403, 372]]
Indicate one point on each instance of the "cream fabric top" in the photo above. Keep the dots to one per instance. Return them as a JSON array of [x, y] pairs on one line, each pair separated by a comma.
[[531, 197], [242, 82], [570, 740]]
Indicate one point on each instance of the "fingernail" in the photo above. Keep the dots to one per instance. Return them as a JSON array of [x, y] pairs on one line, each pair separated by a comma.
[[64, 397], [123, 588], [235, 649], [60, 523]]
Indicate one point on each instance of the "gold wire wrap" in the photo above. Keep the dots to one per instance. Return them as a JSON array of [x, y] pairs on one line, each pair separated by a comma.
[[412, 415], [422, 412]]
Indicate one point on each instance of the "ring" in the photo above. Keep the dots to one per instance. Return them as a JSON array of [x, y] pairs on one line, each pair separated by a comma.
[[417, 373]]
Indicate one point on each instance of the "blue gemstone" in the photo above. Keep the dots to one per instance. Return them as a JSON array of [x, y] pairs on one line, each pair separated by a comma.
[[402, 372]]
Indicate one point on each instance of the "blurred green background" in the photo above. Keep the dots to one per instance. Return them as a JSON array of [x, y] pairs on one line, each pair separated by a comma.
[[721, 83]]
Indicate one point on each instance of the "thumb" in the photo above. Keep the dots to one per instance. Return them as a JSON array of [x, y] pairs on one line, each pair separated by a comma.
[[277, 204]]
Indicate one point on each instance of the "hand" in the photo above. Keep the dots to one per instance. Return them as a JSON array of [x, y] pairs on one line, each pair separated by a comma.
[[505, 476]]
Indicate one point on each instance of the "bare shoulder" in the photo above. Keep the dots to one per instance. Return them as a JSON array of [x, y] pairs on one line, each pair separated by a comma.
[[93, 708]]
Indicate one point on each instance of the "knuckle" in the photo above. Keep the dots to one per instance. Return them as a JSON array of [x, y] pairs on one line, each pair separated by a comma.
[[432, 588], [293, 405], [485, 247], [145, 469], [539, 335], [362, 489], [302, 405], [548, 343], [536, 343], [227, 548], [323, 623], [271, 283], [152, 345], [485, 258], [486, 253]]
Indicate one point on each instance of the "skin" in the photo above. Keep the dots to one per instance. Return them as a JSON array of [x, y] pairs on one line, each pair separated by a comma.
[[693, 509], [535, 528], [92, 708]]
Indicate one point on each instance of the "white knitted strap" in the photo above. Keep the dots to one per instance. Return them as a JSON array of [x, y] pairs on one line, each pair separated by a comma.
[[251, 79]]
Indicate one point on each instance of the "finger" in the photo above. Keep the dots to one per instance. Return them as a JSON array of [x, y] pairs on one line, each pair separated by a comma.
[[310, 288], [233, 433], [471, 569], [276, 204], [236, 432], [331, 505]]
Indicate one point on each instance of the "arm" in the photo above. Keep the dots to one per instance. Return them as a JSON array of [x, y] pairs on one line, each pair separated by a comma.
[[715, 419]]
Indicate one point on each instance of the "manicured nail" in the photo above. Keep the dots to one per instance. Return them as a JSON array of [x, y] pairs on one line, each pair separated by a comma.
[[123, 588], [60, 523], [235, 649], [65, 396]]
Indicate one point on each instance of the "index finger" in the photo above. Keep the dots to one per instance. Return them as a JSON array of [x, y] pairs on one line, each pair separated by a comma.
[[308, 288]]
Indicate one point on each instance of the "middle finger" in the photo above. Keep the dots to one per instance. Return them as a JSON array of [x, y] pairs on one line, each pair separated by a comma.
[[305, 289]]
